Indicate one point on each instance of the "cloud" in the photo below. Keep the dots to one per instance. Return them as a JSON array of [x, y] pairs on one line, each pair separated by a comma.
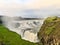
[[16, 7], [30, 4], [37, 4]]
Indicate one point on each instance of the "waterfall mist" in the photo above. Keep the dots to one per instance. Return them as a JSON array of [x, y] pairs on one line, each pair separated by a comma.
[[28, 29]]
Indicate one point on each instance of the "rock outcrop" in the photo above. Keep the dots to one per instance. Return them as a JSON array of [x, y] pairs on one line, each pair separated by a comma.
[[49, 33]]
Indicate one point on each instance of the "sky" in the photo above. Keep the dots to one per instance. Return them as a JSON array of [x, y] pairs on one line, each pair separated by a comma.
[[39, 7]]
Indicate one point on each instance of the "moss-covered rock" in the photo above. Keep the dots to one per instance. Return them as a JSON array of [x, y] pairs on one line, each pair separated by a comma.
[[49, 33]]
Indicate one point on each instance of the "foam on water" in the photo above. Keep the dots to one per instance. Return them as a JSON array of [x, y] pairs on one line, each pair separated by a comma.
[[28, 29]]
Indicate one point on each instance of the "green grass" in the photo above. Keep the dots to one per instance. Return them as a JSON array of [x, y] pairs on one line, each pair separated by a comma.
[[50, 19], [11, 38], [49, 30]]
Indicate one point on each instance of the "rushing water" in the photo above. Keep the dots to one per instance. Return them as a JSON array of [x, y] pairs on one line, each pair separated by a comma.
[[28, 29]]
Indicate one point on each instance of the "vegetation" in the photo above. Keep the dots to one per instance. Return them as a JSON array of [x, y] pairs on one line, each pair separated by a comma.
[[11, 38], [50, 19], [49, 33], [49, 30]]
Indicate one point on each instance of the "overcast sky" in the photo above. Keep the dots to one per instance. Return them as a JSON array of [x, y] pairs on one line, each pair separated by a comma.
[[16, 7]]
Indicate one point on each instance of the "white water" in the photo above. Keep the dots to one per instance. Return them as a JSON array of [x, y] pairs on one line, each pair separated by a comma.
[[28, 29]]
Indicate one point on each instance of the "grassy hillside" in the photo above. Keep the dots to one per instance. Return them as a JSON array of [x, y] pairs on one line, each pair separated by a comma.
[[49, 33], [11, 38]]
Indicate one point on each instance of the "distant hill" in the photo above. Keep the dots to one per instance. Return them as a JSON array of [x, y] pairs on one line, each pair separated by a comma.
[[18, 18]]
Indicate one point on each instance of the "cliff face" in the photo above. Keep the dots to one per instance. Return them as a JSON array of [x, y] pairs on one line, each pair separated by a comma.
[[49, 33], [0, 20]]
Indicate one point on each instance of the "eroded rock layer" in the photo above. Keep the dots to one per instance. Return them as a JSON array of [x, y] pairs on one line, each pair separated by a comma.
[[49, 33]]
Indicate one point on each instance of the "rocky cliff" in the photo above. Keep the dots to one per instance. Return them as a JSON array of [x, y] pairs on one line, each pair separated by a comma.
[[49, 33]]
